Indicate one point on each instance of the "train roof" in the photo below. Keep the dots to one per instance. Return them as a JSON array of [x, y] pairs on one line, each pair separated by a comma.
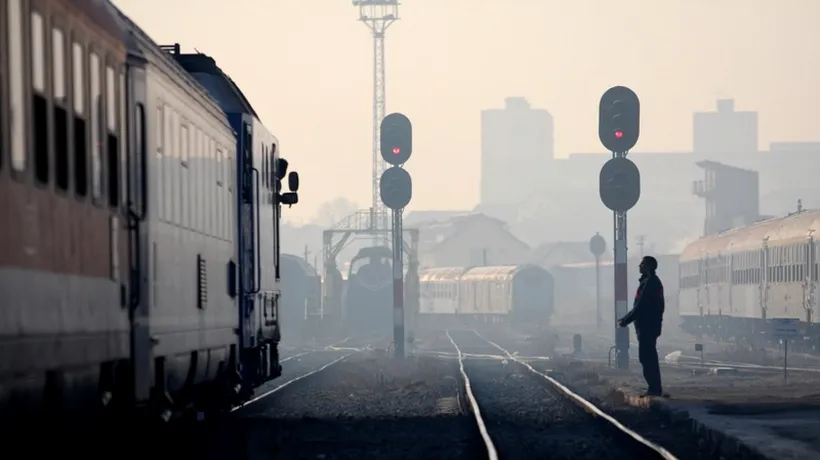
[[218, 83], [101, 13], [299, 262], [441, 274], [141, 46], [609, 262], [779, 231], [498, 272]]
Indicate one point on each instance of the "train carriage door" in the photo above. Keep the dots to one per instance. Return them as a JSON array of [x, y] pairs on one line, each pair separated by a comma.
[[137, 136], [248, 178]]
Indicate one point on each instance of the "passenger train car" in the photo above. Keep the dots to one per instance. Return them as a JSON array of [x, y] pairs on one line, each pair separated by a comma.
[[514, 294], [576, 295], [139, 251], [733, 283], [64, 267]]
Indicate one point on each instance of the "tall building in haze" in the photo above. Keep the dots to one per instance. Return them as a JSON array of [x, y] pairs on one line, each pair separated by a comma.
[[516, 151], [724, 132]]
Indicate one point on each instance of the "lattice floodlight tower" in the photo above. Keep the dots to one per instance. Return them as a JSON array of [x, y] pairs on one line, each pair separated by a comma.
[[378, 16]]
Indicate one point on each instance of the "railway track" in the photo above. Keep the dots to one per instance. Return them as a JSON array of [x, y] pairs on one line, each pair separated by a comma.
[[521, 412], [312, 361]]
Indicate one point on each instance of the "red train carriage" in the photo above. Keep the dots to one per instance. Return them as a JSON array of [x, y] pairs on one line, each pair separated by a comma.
[[63, 317]]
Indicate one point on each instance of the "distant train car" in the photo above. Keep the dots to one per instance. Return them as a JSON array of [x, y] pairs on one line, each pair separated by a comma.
[[438, 302], [301, 289], [486, 295], [575, 291], [733, 284], [368, 293], [533, 296]]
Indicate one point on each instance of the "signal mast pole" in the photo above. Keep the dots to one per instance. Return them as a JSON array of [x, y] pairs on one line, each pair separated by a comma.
[[378, 16]]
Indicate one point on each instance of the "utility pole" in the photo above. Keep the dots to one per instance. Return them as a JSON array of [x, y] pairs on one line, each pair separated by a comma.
[[641, 240], [597, 246]]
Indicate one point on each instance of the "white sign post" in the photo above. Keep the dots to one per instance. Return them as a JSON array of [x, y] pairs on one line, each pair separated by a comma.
[[785, 329]]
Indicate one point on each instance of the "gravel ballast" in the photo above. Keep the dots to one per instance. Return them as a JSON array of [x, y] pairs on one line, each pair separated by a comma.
[[365, 407]]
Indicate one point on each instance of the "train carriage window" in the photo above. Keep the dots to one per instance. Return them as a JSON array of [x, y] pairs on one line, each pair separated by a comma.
[[264, 171], [207, 184], [196, 170], [17, 104], [184, 206], [168, 173], [219, 170], [58, 68], [176, 184], [111, 98], [159, 139], [80, 130], [139, 158], [39, 101], [96, 126], [211, 185], [217, 190], [183, 145], [220, 191], [113, 138], [123, 133]]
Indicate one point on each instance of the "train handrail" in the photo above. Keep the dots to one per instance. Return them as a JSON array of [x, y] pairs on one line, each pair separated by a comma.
[[257, 281]]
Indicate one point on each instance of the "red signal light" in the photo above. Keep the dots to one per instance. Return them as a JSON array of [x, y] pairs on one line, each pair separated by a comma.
[[618, 134], [396, 150]]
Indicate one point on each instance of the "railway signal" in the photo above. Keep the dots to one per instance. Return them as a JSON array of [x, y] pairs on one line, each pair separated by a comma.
[[619, 116], [619, 119], [396, 188], [619, 184], [396, 139]]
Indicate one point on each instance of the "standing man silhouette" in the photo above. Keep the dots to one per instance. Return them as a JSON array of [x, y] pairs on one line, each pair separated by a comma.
[[647, 314]]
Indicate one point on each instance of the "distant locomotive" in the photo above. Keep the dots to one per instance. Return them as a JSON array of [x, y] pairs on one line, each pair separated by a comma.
[[301, 289], [521, 295], [734, 283], [368, 294]]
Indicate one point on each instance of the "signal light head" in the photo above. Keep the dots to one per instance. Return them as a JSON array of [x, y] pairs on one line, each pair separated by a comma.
[[396, 139], [619, 119]]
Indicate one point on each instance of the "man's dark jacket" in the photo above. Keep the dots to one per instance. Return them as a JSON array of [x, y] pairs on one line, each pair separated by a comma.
[[648, 307]]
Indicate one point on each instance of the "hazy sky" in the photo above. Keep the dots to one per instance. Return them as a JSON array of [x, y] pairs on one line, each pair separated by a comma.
[[306, 66]]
